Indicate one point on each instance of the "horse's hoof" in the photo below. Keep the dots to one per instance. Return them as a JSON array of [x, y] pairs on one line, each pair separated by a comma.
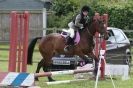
[[51, 80], [36, 79], [92, 78]]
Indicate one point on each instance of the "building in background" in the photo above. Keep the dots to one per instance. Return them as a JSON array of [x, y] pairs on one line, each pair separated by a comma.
[[35, 7]]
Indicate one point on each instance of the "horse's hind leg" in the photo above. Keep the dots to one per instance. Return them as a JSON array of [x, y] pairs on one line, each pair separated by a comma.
[[96, 63], [40, 64], [47, 64], [47, 69]]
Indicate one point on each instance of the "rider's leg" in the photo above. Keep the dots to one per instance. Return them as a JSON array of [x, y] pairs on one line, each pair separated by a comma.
[[71, 31], [70, 40]]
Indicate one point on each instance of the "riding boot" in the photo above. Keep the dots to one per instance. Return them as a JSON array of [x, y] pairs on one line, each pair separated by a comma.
[[70, 44]]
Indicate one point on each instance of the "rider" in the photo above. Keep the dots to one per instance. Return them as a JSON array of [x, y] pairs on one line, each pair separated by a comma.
[[78, 22]]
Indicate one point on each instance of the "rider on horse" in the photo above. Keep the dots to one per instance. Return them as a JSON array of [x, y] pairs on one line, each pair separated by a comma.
[[77, 23]]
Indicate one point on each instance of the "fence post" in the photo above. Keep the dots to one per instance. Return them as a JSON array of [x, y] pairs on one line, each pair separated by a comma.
[[18, 42], [103, 46], [13, 41], [25, 41], [97, 40]]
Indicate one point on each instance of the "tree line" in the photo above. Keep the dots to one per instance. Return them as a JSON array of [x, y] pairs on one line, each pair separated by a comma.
[[120, 12]]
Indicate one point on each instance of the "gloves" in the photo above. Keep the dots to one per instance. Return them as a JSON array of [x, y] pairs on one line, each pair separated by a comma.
[[81, 26]]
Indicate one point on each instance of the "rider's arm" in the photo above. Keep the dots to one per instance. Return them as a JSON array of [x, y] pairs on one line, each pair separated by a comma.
[[77, 21]]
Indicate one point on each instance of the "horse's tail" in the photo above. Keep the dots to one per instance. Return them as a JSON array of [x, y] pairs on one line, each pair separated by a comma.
[[31, 49]]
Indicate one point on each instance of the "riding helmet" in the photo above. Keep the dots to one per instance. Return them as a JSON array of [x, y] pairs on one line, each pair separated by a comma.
[[85, 8]]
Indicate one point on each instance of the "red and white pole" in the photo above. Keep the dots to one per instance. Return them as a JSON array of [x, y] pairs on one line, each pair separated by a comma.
[[103, 46]]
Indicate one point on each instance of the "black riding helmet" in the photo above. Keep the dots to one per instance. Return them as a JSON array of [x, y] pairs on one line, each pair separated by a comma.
[[85, 8]]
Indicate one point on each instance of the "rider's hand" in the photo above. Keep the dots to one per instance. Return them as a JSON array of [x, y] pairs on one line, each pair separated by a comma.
[[81, 27]]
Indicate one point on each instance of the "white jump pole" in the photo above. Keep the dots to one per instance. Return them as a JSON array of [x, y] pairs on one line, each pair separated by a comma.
[[65, 81], [67, 72], [102, 52], [99, 65]]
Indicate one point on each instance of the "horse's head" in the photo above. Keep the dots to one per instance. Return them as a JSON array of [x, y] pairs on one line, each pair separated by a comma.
[[98, 25], [101, 26]]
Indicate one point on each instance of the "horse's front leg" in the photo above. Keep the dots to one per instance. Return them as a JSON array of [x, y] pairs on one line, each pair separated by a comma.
[[95, 64]]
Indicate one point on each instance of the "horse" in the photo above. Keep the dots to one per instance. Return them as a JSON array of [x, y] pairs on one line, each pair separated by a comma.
[[54, 43]]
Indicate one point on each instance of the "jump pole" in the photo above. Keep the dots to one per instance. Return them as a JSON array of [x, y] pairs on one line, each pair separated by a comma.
[[65, 81], [56, 73]]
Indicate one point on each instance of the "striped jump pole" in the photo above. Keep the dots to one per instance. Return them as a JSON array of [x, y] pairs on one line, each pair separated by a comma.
[[67, 72]]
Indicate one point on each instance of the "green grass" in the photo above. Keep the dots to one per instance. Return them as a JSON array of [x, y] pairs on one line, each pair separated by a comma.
[[90, 83], [84, 84]]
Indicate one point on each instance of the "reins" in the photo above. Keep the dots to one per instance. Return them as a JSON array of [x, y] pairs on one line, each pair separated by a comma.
[[89, 31]]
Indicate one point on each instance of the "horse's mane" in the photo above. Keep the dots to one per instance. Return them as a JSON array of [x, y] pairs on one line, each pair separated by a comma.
[[88, 27]]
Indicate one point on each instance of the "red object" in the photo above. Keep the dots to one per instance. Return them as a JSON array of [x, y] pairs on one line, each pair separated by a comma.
[[13, 42], [101, 44], [97, 38], [18, 42], [25, 41]]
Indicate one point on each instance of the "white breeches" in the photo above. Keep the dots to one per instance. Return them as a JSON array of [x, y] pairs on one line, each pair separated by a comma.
[[71, 31]]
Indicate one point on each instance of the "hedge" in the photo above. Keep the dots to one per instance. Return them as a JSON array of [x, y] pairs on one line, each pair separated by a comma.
[[120, 16]]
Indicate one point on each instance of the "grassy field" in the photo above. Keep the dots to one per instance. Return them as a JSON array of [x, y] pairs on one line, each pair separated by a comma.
[[84, 84]]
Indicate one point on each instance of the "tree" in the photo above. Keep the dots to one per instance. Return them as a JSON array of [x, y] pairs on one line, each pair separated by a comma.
[[63, 7]]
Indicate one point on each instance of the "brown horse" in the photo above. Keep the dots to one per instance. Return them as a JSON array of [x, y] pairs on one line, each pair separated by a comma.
[[54, 43]]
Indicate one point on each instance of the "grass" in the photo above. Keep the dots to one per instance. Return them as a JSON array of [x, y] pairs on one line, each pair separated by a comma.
[[84, 84], [90, 84]]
